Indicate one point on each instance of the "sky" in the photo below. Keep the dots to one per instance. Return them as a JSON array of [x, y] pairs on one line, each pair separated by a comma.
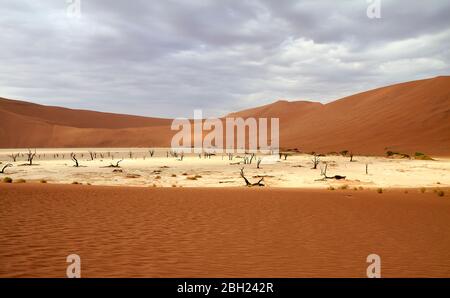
[[167, 58]]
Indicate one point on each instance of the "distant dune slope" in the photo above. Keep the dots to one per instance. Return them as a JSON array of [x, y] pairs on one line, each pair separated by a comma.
[[408, 117]]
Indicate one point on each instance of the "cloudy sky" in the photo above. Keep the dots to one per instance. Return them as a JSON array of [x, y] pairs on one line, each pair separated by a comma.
[[167, 58]]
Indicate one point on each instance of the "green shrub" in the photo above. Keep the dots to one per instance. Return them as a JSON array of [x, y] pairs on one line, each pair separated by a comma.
[[345, 186], [7, 180]]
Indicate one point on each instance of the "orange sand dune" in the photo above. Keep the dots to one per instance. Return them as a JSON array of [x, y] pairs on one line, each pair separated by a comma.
[[407, 117], [235, 232]]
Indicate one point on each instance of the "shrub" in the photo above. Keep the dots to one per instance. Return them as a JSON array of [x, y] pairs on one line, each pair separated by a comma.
[[43, 181], [21, 181], [440, 193], [7, 180], [331, 188], [173, 175], [422, 189], [158, 177], [422, 156], [191, 178], [380, 190], [345, 186], [360, 188]]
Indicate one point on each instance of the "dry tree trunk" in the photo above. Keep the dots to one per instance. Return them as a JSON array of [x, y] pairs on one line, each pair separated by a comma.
[[75, 160], [258, 162], [31, 156], [315, 160], [248, 184], [14, 156], [4, 168]]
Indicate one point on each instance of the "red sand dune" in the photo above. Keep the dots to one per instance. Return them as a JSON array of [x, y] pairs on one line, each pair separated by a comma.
[[233, 232], [407, 117]]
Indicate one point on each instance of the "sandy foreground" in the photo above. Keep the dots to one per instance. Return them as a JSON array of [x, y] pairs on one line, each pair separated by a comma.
[[55, 166], [221, 232]]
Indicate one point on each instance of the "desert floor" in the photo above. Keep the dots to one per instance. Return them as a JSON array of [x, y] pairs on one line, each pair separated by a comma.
[[222, 232], [218, 171]]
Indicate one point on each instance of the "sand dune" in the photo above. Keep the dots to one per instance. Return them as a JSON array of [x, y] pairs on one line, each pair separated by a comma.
[[407, 117], [238, 232]]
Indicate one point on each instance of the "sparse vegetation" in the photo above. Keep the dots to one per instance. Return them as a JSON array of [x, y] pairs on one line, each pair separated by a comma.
[[421, 156], [7, 180], [440, 192], [393, 154], [343, 187]]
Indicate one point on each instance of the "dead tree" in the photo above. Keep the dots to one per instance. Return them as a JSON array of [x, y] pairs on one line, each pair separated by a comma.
[[14, 156], [4, 168], [115, 165], [75, 160], [151, 151], [248, 184], [258, 162], [323, 172], [283, 154], [181, 156], [367, 168], [230, 156], [251, 158], [130, 154], [315, 160], [351, 156], [31, 156], [92, 155]]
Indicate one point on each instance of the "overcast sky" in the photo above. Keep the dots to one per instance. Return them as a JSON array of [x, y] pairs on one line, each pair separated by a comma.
[[167, 58]]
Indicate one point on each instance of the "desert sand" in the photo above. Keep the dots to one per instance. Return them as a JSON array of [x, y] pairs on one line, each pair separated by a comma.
[[219, 171], [408, 117], [232, 232]]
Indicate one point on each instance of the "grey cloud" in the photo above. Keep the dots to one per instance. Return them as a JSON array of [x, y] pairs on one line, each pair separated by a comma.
[[166, 58]]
